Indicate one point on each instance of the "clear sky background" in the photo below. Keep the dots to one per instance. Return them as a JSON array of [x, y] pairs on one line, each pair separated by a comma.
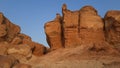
[[31, 15]]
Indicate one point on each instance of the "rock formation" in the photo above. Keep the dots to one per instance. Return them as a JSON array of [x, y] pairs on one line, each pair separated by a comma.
[[3, 48], [39, 49], [54, 33], [8, 30], [7, 61], [70, 25], [16, 44], [112, 28], [21, 52], [82, 35], [81, 27], [74, 35]]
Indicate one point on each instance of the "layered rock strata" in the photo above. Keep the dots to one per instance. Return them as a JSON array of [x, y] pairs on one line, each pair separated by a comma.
[[82, 27]]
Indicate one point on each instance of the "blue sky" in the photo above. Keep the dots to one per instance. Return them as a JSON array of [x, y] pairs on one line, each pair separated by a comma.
[[31, 15]]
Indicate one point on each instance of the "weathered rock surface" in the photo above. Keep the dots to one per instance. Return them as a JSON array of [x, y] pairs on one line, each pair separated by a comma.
[[16, 44], [112, 28], [16, 41], [3, 48], [7, 61], [85, 36], [20, 65], [53, 30], [11, 29], [21, 52], [76, 28], [39, 49], [80, 36], [70, 27], [91, 26], [26, 40], [82, 27]]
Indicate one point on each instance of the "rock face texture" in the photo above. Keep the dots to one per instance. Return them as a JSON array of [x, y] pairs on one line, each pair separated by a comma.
[[16, 44], [22, 66], [7, 61], [39, 49], [85, 35], [53, 32], [21, 52], [71, 26], [8, 30], [83, 27], [112, 27], [72, 36], [3, 48], [91, 26], [10, 34]]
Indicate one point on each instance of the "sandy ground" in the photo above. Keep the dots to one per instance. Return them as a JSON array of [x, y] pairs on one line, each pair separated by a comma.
[[74, 58]]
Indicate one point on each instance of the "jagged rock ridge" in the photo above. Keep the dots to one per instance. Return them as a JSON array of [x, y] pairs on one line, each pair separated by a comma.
[[83, 35], [84, 27]]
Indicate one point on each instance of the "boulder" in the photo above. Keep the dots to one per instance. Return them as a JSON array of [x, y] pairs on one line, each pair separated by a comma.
[[16, 41], [26, 40], [39, 49], [21, 52]]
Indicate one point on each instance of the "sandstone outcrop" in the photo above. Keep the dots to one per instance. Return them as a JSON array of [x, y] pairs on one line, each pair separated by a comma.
[[112, 28], [76, 28], [70, 28], [8, 30], [39, 49], [91, 26], [3, 48], [21, 52], [17, 44], [53, 32], [7, 61], [76, 36]]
